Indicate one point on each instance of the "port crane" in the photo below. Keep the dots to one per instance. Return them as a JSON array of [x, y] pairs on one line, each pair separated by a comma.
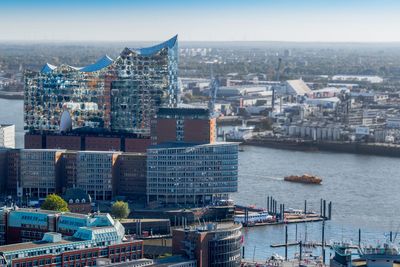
[[214, 86], [277, 79]]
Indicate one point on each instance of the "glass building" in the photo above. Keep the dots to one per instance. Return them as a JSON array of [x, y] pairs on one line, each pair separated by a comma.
[[187, 173], [112, 95]]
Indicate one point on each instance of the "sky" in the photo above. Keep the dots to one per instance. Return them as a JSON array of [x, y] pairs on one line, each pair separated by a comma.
[[201, 20]]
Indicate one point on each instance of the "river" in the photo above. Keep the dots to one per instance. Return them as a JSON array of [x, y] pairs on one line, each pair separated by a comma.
[[364, 190]]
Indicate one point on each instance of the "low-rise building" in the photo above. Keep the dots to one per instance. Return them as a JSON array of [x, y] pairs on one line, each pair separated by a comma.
[[82, 249], [211, 245]]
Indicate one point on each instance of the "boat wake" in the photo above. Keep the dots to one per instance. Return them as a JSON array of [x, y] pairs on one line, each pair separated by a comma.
[[276, 178]]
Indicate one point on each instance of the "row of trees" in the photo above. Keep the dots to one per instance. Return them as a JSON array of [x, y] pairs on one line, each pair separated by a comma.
[[119, 209]]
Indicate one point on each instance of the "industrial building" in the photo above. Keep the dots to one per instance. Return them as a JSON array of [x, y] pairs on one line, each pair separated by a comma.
[[191, 173], [211, 245]]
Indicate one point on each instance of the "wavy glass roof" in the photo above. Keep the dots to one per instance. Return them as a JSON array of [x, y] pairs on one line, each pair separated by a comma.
[[103, 62], [154, 49], [106, 61]]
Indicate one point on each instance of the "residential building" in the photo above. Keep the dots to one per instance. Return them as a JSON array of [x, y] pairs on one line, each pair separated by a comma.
[[191, 173], [212, 245], [78, 200]]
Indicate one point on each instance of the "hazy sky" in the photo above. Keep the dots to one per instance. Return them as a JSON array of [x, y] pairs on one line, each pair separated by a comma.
[[202, 20]]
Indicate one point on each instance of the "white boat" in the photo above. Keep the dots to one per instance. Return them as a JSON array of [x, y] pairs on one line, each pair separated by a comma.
[[253, 217], [240, 133]]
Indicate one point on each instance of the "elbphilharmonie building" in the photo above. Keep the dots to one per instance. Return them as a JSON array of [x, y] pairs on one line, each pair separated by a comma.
[[120, 95]]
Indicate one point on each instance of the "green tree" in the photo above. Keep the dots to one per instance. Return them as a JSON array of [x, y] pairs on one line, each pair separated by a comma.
[[120, 210], [54, 202]]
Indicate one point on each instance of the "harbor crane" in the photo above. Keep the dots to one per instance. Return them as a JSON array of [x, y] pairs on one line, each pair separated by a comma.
[[277, 78]]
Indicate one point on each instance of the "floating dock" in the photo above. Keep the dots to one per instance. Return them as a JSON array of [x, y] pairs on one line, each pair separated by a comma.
[[281, 216]]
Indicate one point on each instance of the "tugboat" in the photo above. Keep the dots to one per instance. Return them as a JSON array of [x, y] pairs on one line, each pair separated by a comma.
[[305, 179]]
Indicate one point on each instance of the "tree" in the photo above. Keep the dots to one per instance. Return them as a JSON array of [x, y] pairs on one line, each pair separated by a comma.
[[120, 210], [55, 202]]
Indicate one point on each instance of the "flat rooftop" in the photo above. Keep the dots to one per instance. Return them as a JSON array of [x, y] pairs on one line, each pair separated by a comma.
[[186, 144], [30, 245]]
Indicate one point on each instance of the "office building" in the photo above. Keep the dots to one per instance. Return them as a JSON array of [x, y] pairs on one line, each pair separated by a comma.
[[7, 135], [95, 173], [39, 172], [190, 173], [3, 169], [186, 124], [109, 96], [212, 245], [35, 173], [64, 239], [13, 181], [132, 174]]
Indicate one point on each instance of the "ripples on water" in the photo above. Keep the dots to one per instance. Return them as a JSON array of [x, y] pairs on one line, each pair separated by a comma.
[[364, 191]]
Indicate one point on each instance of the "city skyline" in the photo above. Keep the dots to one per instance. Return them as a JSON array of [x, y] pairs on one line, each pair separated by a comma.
[[288, 20]]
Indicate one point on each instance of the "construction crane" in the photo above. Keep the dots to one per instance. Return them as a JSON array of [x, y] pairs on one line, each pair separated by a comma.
[[277, 79], [214, 86]]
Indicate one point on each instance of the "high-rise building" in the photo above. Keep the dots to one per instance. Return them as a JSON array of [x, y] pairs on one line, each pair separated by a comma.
[[147, 79], [191, 173], [109, 96], [7, 135], [214, 245], [187, 124]]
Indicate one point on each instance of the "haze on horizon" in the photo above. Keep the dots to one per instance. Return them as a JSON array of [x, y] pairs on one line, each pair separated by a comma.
[[207, 20]]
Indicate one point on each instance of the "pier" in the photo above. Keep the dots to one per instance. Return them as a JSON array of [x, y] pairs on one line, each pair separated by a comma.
[[283, 216]]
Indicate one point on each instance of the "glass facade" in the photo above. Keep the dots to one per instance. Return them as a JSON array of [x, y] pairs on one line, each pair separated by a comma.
[[191, 174], [118, 96]]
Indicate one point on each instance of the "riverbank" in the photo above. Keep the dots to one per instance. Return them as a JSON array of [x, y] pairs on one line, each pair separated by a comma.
[[12, 95], [377, 149]]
